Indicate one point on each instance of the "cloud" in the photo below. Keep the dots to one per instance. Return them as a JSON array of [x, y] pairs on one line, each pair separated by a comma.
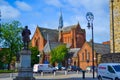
[[23, 6], [2, 2], [7, 11], [55, 3]]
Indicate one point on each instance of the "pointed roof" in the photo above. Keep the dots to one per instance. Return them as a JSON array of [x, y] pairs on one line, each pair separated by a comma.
[[69, 28], [50, 45], [52, 33], [100, 48]]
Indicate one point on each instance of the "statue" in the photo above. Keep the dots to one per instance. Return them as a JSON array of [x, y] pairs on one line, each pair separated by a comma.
[[25, 71], [25, 37]]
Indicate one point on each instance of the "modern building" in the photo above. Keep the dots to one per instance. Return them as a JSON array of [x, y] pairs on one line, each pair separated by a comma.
[[115, 26]]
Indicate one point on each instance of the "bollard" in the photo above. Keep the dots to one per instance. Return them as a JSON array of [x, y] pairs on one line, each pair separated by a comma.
[[41, 73], [54, 73], [65, 72], [77, 71], [83, 74], [11, 75]]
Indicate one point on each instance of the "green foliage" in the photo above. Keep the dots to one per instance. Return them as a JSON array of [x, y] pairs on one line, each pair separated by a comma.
[[59, 54], [11, 35], [34, 57], [11, 38], [7, 71], [4, 57]]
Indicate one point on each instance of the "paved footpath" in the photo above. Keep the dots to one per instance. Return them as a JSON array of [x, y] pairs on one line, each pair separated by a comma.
[[88, 76]]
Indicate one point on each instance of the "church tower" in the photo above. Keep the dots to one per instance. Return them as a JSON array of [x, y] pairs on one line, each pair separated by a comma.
[[115, 26], [60, 21], [60, 26]]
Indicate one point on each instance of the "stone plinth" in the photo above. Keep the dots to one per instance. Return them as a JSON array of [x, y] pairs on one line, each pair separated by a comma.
[[25, 71]]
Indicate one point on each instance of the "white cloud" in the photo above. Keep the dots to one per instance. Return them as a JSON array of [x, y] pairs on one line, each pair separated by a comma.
[[7, 11], [55, 3], [2, 2], [23, 6], [87, 3]]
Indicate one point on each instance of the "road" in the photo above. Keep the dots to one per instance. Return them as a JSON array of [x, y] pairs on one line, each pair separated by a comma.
[[60, 75]]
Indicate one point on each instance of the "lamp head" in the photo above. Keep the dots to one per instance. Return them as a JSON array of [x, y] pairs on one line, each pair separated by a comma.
[[88, 25], [89, 16]]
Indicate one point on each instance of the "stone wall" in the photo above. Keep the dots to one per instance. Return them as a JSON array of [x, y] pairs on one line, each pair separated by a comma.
[[116, 14], [111, 57]]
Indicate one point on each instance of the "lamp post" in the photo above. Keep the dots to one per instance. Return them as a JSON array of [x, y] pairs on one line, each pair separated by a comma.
[[112, 25], [90, 18]]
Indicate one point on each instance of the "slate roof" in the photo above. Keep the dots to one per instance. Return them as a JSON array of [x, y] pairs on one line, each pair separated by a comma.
[[51, 33], [50, 45], [73, 52], [101, 48]]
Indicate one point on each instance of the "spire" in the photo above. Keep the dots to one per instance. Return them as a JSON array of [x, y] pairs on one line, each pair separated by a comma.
[[78, 23], [60, 20]]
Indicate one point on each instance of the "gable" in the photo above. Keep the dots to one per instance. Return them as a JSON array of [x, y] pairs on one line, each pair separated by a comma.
[[36, 33], [76, 27], [85, 47], [50, 46]]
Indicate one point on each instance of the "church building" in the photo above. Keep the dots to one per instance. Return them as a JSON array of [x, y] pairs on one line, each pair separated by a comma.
[[73, 36]]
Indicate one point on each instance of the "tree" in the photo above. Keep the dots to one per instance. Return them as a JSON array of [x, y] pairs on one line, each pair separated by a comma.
[[34, 57], [11, 38], [4, 54], [59, 54]]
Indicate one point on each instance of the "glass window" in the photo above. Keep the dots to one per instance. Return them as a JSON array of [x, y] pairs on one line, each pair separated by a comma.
[[82, 56], [117, 68], [110, 69], [88, 56], [85, 54]]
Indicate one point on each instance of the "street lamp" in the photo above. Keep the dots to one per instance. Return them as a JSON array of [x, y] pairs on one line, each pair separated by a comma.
[[90, 18], [112, 25]]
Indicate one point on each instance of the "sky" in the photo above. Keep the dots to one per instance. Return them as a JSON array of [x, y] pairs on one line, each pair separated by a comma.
[[46, 13]]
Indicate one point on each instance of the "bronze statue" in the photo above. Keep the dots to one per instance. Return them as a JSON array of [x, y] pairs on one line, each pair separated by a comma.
[[26, 37]]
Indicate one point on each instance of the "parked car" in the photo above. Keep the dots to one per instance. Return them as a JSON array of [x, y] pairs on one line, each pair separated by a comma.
[[61, 68], [43, 68], [90, 68], [74, 68]]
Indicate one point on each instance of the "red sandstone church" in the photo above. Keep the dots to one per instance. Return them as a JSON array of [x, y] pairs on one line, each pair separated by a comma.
[[47, 39]]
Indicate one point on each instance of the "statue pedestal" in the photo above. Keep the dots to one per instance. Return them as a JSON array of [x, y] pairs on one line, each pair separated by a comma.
[[25, 72]]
